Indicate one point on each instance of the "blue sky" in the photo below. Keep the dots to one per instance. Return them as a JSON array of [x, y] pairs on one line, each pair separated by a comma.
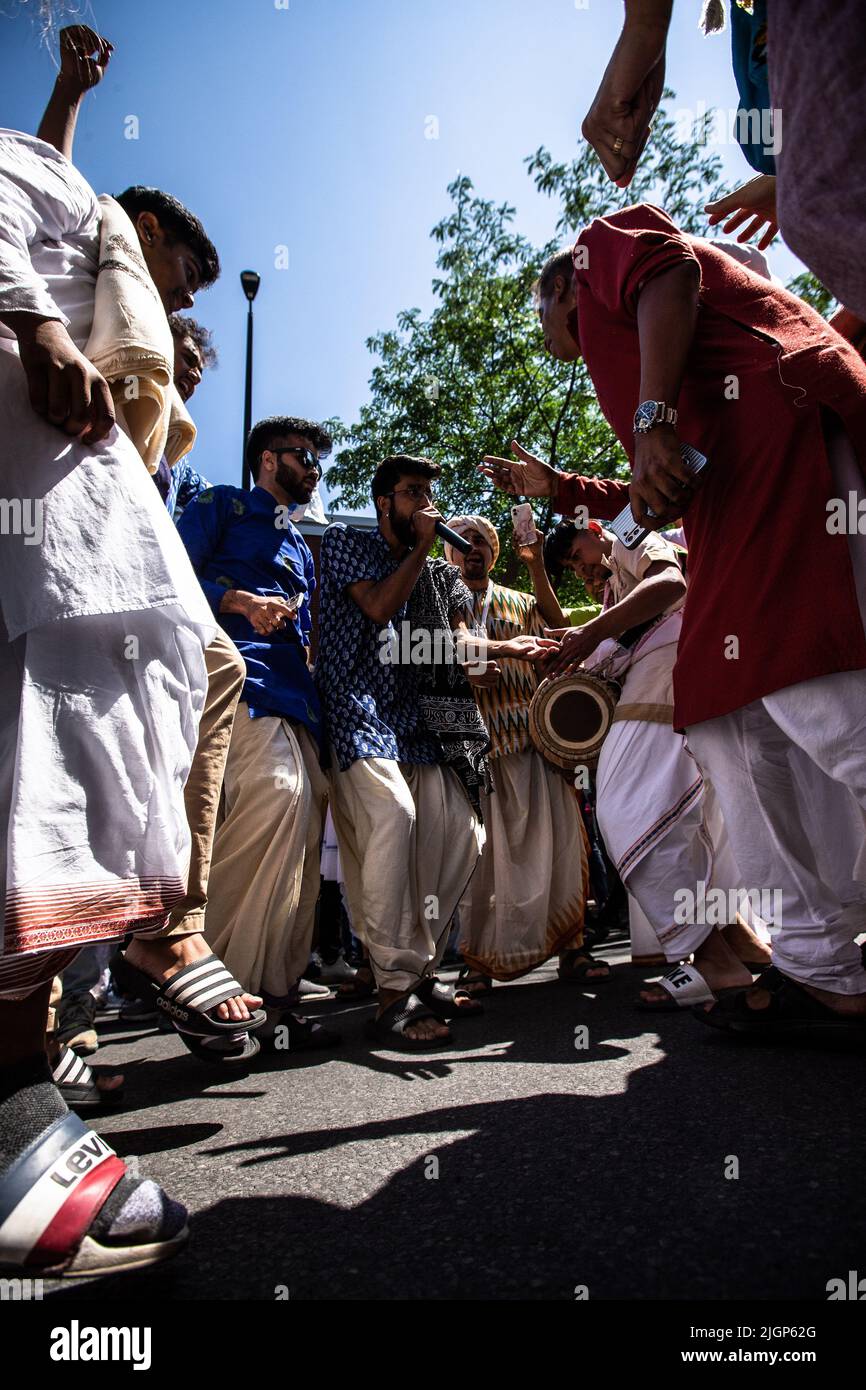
[[301, 124]]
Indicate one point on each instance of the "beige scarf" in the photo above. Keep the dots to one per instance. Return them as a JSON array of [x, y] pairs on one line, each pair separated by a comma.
[[130, 343]]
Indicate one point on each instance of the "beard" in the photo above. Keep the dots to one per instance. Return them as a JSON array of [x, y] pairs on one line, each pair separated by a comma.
[[299, 492], [402, 527], [474, 569]]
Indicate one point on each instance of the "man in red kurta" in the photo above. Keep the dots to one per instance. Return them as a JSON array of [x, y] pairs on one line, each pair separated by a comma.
[[686, 345]]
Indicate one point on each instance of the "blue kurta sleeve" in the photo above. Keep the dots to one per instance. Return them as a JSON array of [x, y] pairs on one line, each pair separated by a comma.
[[200, 528], [192, 484]]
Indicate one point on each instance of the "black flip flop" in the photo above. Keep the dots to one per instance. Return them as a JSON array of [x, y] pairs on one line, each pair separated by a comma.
[[299, 1035], [577, 974], [189, 999], [468, 977], [792, 1013], [76, 1082], [442, 999], [389, 1027]]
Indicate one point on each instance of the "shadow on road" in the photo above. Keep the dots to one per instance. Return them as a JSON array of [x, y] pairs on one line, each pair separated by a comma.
[[612, 1176]]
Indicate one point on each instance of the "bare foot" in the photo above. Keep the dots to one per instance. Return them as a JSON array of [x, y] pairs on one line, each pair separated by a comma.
[[362, 986], [850, 1005], [425, 1030], [717, 963], [745, 944], [162, 957]]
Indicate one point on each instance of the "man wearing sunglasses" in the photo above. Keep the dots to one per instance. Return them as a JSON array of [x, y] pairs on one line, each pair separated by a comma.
[[257, 572]]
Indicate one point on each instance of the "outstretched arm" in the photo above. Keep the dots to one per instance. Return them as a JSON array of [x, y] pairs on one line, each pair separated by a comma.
[[84, 56]]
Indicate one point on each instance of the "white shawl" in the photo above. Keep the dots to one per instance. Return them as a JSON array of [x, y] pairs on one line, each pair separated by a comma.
[[130, 343]]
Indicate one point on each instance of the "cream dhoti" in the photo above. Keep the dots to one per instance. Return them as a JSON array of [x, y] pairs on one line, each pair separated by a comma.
[[409, 841], [265, 878], [659, 818], [526, 900], [102, 627]]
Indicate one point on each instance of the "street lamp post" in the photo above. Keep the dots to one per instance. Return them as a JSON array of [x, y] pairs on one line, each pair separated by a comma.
[[250, 284]]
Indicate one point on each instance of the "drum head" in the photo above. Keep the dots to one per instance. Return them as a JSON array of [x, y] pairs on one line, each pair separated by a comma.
[[569, 718]]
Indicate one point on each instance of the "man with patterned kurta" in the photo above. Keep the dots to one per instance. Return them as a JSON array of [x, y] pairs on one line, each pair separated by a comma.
[[526, 899]]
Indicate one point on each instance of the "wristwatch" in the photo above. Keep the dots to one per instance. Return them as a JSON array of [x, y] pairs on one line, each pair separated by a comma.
[[651, 413]]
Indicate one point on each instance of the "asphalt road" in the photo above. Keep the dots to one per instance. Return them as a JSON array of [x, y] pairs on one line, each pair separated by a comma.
[[558, 1167]]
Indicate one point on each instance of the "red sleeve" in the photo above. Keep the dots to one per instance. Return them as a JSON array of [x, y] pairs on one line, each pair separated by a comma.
[[615, 256], [604, 497]]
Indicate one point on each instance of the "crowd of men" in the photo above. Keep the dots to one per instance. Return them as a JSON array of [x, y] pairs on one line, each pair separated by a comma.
[[179, 728]]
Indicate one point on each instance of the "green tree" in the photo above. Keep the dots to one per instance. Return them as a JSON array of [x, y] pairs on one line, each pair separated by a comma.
[[472, 375], [810, 289]]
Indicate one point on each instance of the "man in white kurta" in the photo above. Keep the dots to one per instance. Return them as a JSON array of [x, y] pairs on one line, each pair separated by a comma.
[[103, 623], [102, 682], [659, 818]]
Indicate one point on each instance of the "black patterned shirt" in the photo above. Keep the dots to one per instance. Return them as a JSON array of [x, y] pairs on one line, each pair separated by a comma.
[[370, 706]]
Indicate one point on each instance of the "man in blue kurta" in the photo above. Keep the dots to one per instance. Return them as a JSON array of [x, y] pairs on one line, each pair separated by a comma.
[[257, 573]]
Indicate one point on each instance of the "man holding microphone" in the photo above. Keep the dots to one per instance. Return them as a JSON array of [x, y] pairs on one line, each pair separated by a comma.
[[409, 748]]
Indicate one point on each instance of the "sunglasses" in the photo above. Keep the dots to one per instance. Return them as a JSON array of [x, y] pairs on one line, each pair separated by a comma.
[[415, 490], [305, 457]]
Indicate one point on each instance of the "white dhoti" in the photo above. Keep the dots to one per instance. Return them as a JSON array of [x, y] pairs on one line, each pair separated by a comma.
[[103, 684], [661, 824], [264, 878], [790, 773], [527, 897], [102, 627], [409, 841], [776, 841]]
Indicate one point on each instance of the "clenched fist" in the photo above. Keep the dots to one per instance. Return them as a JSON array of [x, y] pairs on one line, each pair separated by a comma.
[[65, 389]]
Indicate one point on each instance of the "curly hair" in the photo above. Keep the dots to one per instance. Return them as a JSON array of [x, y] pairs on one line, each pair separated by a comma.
[[182, 326], [177, 222], [265, 433], [398, 466]]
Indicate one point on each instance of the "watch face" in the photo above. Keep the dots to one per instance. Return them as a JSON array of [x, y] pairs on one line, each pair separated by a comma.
[[645, 414]]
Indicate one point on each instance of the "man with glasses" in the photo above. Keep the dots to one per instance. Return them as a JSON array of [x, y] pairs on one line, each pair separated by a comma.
[[408, 744], [257, 572]]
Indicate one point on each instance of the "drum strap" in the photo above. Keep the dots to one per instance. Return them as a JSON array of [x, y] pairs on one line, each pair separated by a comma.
[[632, 636], [650, 714]]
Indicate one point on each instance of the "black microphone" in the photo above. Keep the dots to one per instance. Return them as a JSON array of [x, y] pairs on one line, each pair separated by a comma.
[[452, 538]]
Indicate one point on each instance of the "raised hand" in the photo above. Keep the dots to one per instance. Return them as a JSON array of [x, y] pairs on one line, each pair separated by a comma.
[[755, 204], [531, 553], [84, 56], [424, 521], [528, 476]]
